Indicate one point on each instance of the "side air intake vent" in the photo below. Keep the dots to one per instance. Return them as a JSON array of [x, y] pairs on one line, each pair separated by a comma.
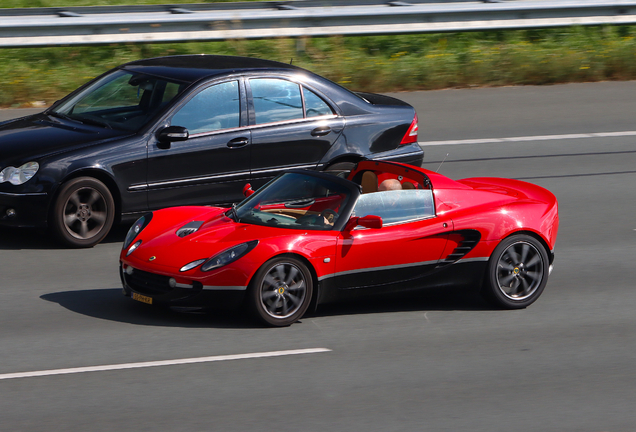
[[189, 228], [469, 240]]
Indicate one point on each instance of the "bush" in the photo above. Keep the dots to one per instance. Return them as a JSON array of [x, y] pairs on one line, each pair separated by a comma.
[[370, 63]]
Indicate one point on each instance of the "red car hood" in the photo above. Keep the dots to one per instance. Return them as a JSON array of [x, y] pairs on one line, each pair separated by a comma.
[[162, 250]]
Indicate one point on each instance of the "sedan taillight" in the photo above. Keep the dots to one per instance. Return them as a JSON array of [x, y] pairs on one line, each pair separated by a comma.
[[411, 134]]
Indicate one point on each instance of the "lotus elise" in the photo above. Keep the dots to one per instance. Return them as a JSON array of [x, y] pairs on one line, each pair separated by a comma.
[[308, 238]]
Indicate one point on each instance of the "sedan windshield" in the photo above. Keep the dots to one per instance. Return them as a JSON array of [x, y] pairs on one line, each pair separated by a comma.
[[119, 100], [295, 200]]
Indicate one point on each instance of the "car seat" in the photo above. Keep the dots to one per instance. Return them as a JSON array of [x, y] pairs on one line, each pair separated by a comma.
[[369, 182]]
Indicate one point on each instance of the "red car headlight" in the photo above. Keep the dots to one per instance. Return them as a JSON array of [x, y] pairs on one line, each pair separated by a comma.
[[134, 230], [192, 265], [228, 256]]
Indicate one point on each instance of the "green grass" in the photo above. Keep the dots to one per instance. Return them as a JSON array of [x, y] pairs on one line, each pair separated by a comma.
[[373, 63], [74, 3]]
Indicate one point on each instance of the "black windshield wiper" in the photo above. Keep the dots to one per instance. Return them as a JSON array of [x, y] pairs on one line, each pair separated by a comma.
[[95, 122], [64, 116]]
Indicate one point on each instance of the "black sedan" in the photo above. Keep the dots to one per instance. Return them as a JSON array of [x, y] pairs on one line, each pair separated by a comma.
[[185, 130]]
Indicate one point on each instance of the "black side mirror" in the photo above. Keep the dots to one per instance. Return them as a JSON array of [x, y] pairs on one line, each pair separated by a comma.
[[171, 134]]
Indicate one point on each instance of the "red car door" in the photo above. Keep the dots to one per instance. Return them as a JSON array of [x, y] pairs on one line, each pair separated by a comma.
[[408, 247], [392, 254]]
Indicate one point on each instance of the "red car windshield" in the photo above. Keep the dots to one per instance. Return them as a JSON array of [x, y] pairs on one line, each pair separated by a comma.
[[295, 201]]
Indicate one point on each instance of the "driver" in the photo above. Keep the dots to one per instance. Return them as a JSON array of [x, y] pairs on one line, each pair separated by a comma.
[[329, 216], [389, 185]]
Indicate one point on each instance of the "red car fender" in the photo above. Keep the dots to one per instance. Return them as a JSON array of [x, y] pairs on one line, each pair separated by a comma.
[[317, 248], [500, 222]]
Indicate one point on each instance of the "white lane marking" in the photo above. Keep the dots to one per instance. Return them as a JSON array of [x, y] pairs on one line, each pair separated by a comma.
[[161, 363], [528, 138]]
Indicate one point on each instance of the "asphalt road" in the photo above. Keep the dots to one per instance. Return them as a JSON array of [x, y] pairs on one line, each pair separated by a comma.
[[440, 361]]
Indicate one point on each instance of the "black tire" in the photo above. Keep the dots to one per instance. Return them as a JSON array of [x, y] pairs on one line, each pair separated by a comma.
[[517, 272], [340, 169], [83, 212], [281, 291]]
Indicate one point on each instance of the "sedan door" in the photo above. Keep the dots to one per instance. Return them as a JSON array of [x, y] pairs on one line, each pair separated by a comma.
[[292, 127], [407, 248], [212, 165]]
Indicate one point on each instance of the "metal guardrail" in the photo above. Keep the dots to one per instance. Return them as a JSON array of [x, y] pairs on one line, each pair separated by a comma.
[[294, 18]]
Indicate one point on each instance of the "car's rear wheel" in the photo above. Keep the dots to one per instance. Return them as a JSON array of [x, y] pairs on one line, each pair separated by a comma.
[[518, 271], [83, 212], [281, 291]]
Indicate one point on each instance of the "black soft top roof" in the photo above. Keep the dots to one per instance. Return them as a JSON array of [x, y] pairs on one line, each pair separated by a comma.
[[190, 68]]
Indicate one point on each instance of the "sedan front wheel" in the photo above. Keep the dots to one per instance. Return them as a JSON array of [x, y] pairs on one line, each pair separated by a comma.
[[83, 212]]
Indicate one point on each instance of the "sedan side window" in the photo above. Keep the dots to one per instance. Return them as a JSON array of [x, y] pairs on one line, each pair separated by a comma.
[[314, 105], [396, 206], [214, 108], [276, 100]]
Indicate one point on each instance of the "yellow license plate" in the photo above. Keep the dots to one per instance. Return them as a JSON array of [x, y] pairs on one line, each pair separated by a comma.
[[142, 298]]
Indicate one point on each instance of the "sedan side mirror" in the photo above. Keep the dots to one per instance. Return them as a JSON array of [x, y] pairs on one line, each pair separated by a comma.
[[369, 221], [172, 134]]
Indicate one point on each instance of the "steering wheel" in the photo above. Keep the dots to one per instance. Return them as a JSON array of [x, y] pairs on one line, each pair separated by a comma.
[[308, 219], [325, 218], [329, 215]]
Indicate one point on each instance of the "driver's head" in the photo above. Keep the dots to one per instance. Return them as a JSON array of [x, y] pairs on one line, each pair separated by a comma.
[[389, 185]]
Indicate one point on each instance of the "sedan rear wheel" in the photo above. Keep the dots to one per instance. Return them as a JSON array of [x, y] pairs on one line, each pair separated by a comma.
[[517, 272], [281, 291], [83, 212], [340, 169]]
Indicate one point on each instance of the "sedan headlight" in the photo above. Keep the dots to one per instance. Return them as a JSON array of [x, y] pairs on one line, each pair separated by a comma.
[[19, 175], [134, 230], [228, 256]]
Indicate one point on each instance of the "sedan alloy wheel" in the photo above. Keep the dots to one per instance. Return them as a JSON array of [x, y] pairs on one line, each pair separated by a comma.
[[83, 213]]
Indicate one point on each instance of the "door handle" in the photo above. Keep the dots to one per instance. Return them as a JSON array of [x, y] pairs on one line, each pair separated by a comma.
[[321, 131], [238, 142]]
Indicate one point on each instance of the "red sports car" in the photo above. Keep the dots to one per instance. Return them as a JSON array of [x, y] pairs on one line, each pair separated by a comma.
[[308, 238]]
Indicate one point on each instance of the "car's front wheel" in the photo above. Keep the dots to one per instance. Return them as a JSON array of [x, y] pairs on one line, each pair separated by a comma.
[[83, 212], [281, 291], [518, 271]]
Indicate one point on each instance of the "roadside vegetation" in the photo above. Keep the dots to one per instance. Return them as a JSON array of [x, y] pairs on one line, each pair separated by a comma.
[[39, 76], [75, 3]]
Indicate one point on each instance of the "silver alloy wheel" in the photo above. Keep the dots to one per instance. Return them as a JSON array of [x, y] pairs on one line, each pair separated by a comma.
[[85, 213], [283, 290], [520, 271]]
